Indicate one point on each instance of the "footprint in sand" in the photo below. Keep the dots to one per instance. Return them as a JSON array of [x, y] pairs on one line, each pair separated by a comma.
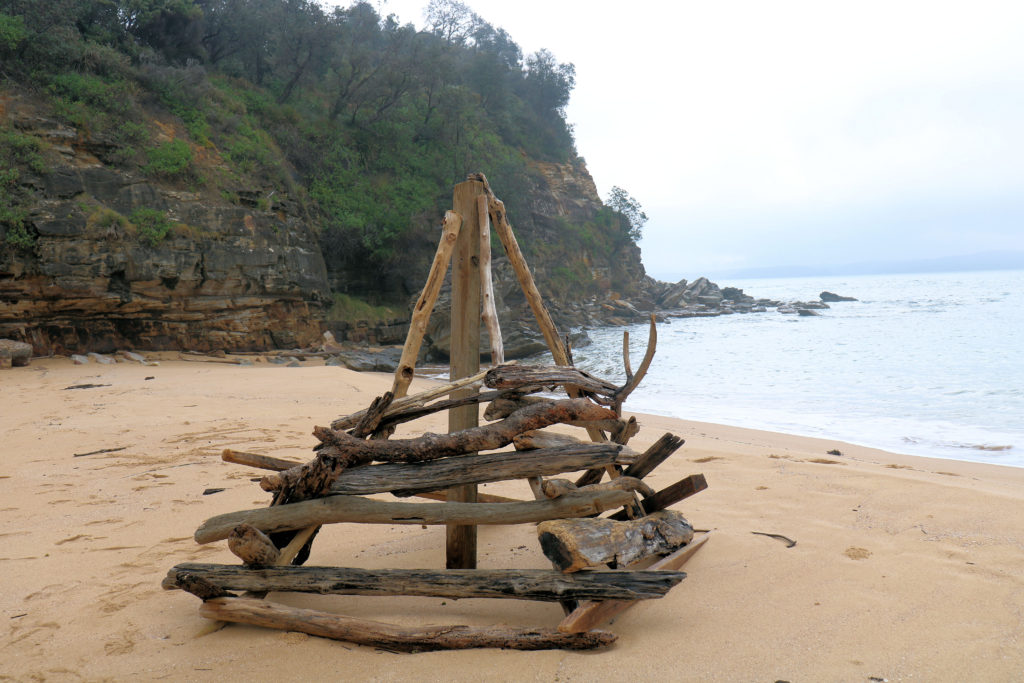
[[855, 553], [121, 644]]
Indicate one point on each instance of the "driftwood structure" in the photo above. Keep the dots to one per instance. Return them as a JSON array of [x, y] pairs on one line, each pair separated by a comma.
[[601, 565]]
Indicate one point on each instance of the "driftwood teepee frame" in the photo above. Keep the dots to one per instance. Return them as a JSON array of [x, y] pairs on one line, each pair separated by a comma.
[[274, 542]]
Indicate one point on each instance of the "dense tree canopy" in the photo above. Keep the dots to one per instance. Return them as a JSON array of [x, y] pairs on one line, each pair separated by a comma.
[[378, 119]]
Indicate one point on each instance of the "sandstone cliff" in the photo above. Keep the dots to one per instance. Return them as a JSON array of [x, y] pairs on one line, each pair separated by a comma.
[[228, 276]]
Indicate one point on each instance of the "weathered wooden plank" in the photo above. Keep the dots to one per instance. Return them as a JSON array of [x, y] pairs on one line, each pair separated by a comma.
[[670, 495], [391, 637], [408, 478], [460, 545], [521, 584], [335, 509], [574, 544], [591, 614], [658, 452]]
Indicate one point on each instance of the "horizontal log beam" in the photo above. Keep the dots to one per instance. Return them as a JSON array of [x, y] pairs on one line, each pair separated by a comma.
[[409, 478], [521, 377], [519, 584], [487, 437], [335, 509], [398, 638]]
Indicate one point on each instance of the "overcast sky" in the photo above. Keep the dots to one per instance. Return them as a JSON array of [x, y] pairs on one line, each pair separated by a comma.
[[793, 133]]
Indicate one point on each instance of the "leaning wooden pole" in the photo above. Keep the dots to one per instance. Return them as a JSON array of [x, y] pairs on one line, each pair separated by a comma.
[[425, 304], [490, 310], [460, 551]]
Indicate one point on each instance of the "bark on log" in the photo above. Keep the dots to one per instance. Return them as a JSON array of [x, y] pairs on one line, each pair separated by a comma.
[[406, 479], [574, 544], [398, 638], [349, 421], [503, 406], [425, 305], [508, 377], [488, 437], [368, 425], [310, 480], [543, 585], [252, 546], [592, 614], [335, 509], [489, 311], [684, 488], [544, 439]]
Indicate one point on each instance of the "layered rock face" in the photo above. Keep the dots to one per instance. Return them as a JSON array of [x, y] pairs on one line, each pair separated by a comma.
[[227, 276]]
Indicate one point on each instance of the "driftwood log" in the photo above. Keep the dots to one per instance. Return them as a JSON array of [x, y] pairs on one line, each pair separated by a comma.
[[574, 544], [670, 495], [425, 304], [252, 546], [335, 509], [591, 614], [397, 638], [520, 377], [405, 479], [521, 584], [487, 437], [417, 400]]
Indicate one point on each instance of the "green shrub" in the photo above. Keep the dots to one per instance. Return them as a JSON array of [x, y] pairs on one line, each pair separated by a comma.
[[171, 159], [17, 153], [12, 32], [347, 307], [152, 225]]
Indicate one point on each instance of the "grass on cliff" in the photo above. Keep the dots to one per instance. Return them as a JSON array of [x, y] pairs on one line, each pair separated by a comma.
[[349, 308]]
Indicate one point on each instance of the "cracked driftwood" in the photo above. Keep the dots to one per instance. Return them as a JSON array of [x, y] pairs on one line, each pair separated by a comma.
[[522, 584], [398, 638], [574, 544], [408, 478], [335, 509]]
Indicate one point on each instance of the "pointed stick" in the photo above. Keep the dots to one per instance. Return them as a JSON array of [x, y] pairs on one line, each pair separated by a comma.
[[425, 304], [489, 311]]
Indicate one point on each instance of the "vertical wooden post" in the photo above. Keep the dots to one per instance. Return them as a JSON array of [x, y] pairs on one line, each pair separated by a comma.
[[465, 352]]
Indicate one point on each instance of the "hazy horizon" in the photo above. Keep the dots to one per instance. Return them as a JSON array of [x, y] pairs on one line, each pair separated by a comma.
[[793, 133]]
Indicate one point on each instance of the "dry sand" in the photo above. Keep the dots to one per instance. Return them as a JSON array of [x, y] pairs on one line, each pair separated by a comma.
[[905, 568]]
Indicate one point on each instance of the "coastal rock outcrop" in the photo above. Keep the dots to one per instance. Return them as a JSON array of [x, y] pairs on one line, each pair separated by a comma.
[[829, 297], [215, 273]]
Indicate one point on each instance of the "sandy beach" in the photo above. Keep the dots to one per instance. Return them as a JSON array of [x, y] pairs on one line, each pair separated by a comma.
[[905, 568]]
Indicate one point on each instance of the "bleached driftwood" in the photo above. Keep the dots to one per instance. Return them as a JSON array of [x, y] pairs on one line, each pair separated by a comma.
[[335, 509], [398, 638], [574, 544]]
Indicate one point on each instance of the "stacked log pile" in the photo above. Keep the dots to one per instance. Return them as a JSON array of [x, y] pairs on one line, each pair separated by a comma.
[[599, 564]]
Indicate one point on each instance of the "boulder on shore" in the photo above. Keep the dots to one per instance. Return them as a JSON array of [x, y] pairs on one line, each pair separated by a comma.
[[829, 297], [19, 353]]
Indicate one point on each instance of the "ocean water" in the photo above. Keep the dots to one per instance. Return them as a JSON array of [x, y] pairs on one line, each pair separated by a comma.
[[922, 364]]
